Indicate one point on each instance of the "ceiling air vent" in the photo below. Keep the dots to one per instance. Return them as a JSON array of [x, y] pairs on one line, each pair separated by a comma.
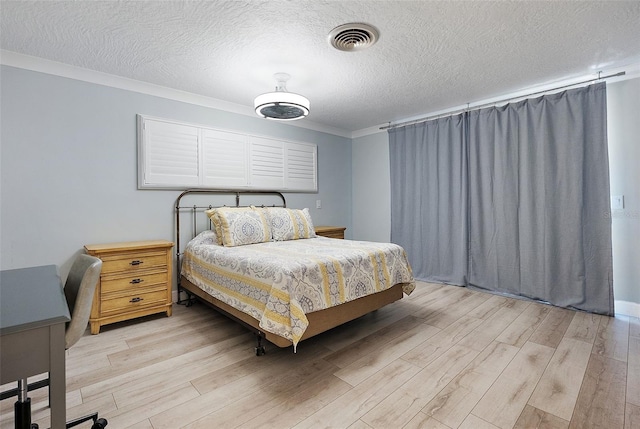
[[353, 37]]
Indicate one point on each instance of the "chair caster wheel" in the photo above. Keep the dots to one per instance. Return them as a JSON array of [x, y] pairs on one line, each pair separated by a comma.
[[99, 424], [260, 351]]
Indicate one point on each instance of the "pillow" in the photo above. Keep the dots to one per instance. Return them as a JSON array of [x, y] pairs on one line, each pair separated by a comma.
[[289, 224], [215, 222], [240, 226]]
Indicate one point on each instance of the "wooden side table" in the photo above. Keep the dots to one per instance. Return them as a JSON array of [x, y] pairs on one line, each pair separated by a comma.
[[135, 281], [331, 231]]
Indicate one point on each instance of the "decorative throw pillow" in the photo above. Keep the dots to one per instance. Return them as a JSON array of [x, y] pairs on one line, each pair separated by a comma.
[[290, 224], [240, 226], [215, 221]]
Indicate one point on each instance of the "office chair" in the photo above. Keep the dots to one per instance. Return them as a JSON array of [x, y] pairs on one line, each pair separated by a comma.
[[78, 290]]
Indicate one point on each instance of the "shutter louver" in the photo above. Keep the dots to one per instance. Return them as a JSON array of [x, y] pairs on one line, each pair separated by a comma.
[[171, 154], [267, 164], [225, 159], [300, 164]]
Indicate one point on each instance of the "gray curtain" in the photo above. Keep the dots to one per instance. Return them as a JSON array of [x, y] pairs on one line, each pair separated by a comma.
[[429, 197], [539, 194], [511, 199]]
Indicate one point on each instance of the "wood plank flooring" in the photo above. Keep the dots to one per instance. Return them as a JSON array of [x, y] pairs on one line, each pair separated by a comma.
[[443, 358]]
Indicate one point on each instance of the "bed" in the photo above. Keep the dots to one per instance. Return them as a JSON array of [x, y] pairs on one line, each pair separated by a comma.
[[263, 265]]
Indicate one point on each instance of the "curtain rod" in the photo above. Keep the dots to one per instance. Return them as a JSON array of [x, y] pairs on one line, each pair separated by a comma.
[[427, 118]]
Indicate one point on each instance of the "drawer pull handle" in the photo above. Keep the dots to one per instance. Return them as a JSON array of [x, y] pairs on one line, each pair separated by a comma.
[[136, 299], [136, 281], [136, 262]]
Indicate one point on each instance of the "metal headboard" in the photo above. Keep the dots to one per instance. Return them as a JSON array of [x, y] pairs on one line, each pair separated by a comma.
[[200, 195]]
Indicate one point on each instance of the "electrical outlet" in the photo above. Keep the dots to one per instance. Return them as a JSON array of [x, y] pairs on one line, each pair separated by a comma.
[[318, 204], [617, 202]]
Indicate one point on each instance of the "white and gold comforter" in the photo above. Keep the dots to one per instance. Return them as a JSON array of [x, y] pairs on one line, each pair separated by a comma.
[[278, 282]]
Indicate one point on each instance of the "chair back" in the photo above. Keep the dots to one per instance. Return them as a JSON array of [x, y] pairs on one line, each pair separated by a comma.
[[79, 289]]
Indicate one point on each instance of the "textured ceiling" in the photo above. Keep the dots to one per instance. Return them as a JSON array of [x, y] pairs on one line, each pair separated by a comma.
[[431, 55]]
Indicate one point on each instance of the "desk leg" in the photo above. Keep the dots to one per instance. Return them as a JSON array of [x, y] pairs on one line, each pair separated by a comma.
[[22, 407], [57, 377]]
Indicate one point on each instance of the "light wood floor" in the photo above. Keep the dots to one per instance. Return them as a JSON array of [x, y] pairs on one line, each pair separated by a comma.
[[445, 357]]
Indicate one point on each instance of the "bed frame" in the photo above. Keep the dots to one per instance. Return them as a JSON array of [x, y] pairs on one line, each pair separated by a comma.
[[319, 321]]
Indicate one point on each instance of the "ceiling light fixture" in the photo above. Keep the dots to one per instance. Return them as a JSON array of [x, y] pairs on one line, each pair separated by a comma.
[[281, 105]]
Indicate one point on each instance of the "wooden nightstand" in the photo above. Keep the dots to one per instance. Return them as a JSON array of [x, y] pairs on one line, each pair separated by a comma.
[[135, 281], [330, 231]]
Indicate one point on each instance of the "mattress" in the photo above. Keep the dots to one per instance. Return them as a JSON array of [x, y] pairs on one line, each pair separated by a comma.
[[279, 282]]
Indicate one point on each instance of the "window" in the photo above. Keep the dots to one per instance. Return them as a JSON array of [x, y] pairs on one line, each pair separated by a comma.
[[179, 155]]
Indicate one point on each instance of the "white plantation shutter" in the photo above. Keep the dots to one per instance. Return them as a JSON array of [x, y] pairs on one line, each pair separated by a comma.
[[300, 167], [224, 157], [180, 155], [266, 163], [171, 154]]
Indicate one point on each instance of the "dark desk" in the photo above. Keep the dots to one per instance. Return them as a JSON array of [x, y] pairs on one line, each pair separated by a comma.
[[33, 313]]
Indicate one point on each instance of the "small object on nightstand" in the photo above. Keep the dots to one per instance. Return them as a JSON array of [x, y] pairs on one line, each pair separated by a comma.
[[135, 281], [331, 231]]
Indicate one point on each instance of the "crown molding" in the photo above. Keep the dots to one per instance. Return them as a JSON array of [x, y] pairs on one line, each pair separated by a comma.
[[42, 65], [368, 131], [28, 62]]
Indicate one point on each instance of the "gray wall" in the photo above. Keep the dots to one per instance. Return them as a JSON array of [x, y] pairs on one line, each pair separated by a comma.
[[623, 106], [68, 167], [371, 188], [371, 218]]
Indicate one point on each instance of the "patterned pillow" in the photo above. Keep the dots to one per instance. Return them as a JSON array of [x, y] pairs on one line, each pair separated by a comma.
[[290, 224], [215, 221], [240, 226]]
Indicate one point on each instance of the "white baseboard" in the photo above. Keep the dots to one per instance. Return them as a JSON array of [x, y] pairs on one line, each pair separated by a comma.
[[627, 308]]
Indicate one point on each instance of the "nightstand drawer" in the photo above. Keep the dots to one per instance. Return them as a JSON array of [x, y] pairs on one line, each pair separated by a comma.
[[133, 282], [132, 262], [133, 301]]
